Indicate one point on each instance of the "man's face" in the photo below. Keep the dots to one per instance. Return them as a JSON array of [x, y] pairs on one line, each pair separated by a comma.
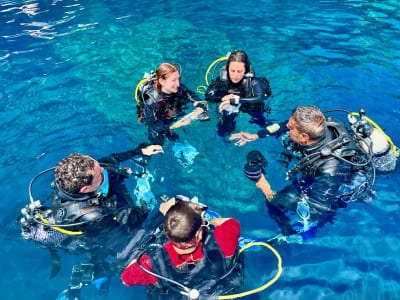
[[170, 84], [97, 173], [295, 135]]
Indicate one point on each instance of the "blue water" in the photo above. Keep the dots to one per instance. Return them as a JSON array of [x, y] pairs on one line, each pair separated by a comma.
[[68, 70]]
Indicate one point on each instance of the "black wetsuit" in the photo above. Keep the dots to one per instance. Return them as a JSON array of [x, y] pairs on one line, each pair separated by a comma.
[[253, 93], [159, 110], [204, 275], [112, 222], [326, 182]]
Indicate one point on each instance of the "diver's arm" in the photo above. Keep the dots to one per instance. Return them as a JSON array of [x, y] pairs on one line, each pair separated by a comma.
[[218, 221], [200, 107], [134, 275], [245, 137], [197, 114], [165, 206], [265, 187], [192, 97], [142, 149], [227, 233], [258, 93], [216, 91], [116, 158]]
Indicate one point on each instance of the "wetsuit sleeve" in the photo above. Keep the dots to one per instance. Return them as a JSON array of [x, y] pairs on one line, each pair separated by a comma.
[[116, 158], [227, 236], [134, 275], [257, 92], [216, 90], [192, 97]]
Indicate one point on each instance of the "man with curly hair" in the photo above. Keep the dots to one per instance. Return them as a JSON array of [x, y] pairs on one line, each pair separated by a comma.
[[91, 212]]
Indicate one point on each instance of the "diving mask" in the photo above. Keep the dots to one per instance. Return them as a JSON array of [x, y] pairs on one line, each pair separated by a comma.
[[193, 200], [104, 187]]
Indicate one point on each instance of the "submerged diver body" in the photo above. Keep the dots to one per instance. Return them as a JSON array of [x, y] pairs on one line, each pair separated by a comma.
[[198, 255], [91, 212], [163, 99], [237, 89], [334, 171]]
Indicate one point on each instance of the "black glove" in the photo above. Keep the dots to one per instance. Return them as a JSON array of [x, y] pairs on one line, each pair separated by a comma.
[[256, 163], [255, 158]]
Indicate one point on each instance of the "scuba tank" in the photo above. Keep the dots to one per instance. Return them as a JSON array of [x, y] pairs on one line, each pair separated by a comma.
[[148, 79], [373, 141]]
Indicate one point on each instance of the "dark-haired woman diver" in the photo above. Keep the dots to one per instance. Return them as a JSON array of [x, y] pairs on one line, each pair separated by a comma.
[[237, 89]]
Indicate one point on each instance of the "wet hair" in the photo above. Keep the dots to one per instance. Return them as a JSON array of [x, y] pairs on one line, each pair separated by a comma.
[[182, 221], [238, 56], [310, 120], [163, 71], [72, 173]]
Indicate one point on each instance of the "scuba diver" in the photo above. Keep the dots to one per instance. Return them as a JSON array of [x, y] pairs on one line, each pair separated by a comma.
[[336, 168], [91, 212], [162, 100], [237, 89], [198, 259]]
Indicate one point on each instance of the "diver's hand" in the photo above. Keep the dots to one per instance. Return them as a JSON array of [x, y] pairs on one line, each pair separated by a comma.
[[218, 221], [165, 206], [223, 105], [265, 187], [197, 112], [152, 149], [225, 101], [187, 119], [243, 137], [180, 123], [227, 98]]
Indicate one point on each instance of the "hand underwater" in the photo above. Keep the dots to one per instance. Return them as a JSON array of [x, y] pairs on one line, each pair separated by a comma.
[[243, 138], [152, 149]]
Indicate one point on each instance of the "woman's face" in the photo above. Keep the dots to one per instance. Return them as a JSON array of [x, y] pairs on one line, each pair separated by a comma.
[[236, 71], [170, 84]]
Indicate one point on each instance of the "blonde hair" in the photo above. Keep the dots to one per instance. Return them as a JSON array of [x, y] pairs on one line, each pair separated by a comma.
[[163, 71]]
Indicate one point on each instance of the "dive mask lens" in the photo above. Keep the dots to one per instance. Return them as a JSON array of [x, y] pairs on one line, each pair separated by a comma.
[[102, 190], [193, 200]]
